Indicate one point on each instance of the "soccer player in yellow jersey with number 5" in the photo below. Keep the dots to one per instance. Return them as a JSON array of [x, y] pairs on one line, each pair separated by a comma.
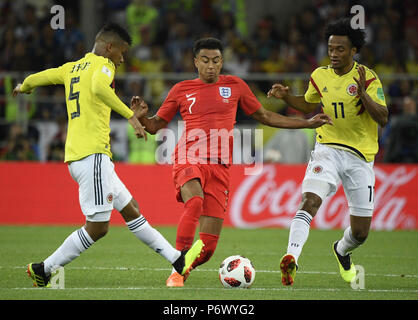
[[90, 97], [352, 95]]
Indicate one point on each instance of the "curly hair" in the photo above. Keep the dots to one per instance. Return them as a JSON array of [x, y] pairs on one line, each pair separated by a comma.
[[342, 27], [113, 29], [207, 43]]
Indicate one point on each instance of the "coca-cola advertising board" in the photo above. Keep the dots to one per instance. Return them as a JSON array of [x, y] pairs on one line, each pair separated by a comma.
[[271, 199], [44, 193]]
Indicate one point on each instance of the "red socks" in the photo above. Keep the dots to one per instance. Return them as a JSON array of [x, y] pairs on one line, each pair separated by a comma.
[[186, 230], [188, 222], [210, 241]]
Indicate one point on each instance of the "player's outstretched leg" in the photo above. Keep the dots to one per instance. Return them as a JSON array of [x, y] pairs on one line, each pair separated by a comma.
[[347, 269], [37, 273], [298, 235], [288, 268], [70, 249], [183, 265]]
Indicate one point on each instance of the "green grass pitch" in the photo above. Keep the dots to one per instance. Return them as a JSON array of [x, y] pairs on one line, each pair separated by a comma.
[[121, 267]]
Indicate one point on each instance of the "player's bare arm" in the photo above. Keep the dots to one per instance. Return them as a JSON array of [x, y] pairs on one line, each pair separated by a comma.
[[139, 110], [378, 112], [276, 120], [299, 103], [151, 124], [139, 129], [139, 107]]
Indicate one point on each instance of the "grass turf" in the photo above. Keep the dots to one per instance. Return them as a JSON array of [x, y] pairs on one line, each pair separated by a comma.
[[120, 267]]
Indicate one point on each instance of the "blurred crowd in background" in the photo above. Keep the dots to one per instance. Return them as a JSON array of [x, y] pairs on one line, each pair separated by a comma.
[[163, 33]]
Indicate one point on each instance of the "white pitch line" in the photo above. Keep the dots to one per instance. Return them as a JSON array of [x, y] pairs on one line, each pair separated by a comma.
[[195, 288], [214, 270]]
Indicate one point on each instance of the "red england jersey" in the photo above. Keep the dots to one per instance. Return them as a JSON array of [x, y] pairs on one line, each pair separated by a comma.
[[209, 113]]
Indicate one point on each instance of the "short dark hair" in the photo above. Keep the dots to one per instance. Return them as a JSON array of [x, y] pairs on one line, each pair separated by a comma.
[[342, 27], [207, 43], [113, 29]]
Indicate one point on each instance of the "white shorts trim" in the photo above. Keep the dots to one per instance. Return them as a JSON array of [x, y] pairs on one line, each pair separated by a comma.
[[321, 188], [360, 212], [99, 216], [100, 189]]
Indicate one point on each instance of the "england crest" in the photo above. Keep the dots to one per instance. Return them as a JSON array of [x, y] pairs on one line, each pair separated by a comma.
[[225, 92]]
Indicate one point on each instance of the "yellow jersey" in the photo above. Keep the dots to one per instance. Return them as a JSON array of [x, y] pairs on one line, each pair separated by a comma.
[[90, 97], [354, 129]]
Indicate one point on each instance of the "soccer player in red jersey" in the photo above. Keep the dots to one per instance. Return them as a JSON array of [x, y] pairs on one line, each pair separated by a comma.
[[208, 106]]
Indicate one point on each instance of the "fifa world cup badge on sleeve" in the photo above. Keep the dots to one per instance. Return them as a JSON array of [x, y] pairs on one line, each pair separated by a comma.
[[106, 71], [380, 94]]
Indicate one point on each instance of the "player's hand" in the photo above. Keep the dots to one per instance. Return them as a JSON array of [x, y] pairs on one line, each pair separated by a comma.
[[319, 120], [361, 81], [139, 107], [138, 127], [278, 90], [17, 90]]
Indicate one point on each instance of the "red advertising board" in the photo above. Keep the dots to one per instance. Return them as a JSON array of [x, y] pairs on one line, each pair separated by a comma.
[[44, 193], [271, 199]]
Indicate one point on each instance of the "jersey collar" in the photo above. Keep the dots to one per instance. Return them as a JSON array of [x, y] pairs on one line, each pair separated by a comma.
[[345, 74], [89, 54]]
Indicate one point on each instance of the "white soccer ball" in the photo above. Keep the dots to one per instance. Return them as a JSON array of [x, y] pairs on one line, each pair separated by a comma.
[[236, 272]]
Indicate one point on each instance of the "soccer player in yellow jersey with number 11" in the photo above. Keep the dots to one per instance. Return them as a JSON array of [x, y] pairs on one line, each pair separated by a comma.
[[90, 97], [352, 95]]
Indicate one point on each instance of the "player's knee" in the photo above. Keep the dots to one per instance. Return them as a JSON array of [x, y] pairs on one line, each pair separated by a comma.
[[191, 189], [194, 206], [130, 211], [102, 230], [360, 221], [101, 233], [97, 230], [135, 205], [310, 203]]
